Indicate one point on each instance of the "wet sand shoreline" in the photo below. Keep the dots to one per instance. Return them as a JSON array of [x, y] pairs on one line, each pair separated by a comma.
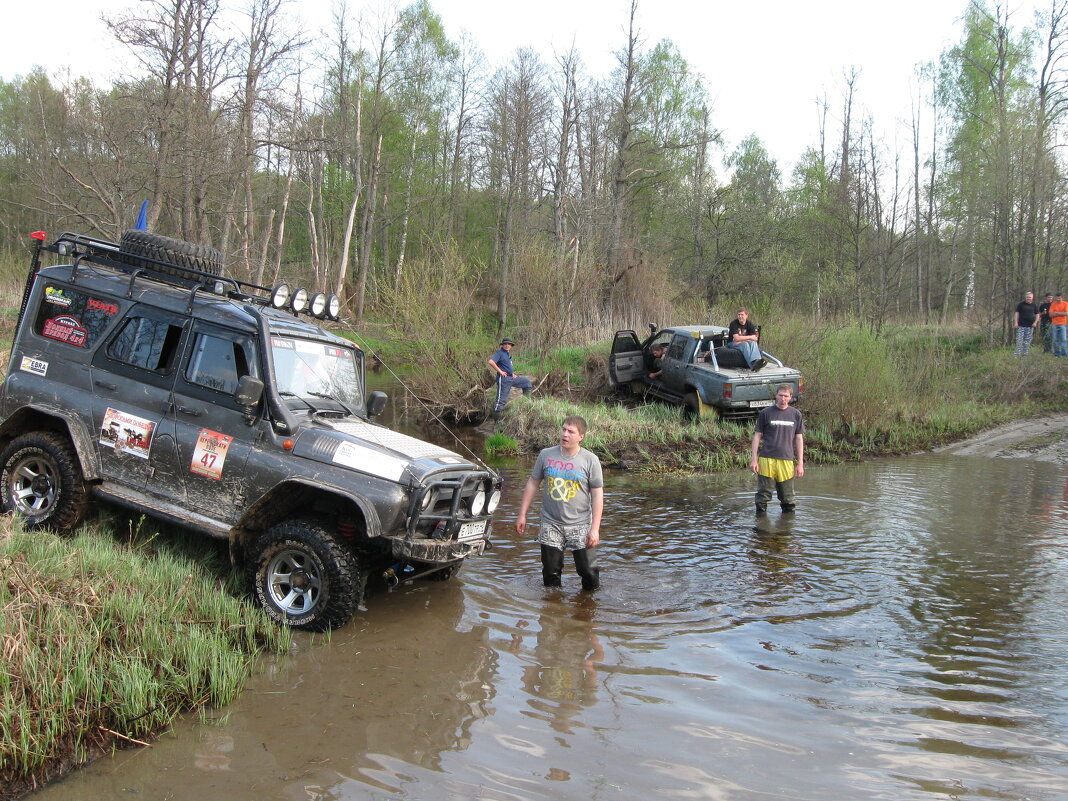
[[1043, 438]]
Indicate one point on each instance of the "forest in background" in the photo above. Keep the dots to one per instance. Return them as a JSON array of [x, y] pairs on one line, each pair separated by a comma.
[[433, 189]]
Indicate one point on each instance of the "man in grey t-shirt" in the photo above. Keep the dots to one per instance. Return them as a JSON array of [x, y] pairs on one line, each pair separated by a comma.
[[571, 505]]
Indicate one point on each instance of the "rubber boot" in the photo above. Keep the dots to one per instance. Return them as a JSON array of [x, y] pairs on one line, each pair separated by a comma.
[[552, 565], [591, 575]]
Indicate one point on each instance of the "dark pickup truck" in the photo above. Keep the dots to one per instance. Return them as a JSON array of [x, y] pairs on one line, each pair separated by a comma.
[[700, 372]]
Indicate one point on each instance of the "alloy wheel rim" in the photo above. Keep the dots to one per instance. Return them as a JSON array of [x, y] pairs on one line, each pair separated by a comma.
[[293, 582]]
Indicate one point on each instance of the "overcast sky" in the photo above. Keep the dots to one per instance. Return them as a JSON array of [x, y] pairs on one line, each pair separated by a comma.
[[764, 64]]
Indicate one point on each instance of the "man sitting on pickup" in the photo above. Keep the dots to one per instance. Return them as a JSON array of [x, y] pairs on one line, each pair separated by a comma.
[[656, 363], [743, 337]]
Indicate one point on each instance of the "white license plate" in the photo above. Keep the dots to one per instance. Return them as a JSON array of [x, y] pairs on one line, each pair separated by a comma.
[[471, 531], [760, 404]]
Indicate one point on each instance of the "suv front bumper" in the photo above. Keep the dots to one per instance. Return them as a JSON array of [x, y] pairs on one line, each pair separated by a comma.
[[434, 551]]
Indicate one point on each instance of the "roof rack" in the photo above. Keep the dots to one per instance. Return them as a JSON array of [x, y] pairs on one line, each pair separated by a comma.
[[83, 247], [109, 254]]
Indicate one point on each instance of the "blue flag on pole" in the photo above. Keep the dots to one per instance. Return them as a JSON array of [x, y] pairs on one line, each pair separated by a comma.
[[142, 217]]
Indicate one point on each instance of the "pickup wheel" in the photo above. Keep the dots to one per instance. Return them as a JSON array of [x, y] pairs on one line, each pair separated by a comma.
[[175, 252], [302, 576], [42, 481], [694, 409]]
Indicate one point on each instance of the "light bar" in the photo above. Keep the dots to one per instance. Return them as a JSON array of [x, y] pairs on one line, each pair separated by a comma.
[[280, 296], [299, 302]]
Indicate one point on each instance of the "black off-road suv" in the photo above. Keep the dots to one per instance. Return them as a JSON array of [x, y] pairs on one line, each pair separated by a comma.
[[142, 376]]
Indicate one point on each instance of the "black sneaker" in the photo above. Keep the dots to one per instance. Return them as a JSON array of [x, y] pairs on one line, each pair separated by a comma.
[[759, 364]]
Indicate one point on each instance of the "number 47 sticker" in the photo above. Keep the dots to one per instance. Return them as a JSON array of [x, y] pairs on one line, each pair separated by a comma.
[[209, 456]]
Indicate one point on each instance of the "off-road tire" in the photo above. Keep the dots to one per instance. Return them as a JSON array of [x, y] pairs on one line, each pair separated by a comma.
[[731, 358], [694, 409], [42, 483], [302, 576], [176, 252]]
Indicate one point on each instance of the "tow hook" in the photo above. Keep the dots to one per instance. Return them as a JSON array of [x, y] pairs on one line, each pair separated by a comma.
[[392, 575], [389, 575]]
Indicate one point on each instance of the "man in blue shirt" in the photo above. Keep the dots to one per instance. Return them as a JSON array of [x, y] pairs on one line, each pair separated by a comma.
[[501, 363]]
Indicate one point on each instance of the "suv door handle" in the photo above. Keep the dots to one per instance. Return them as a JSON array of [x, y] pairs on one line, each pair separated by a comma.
[[105, 385], [190, 412]]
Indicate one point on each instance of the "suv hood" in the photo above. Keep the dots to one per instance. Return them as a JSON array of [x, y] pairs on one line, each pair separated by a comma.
[[368, 448]]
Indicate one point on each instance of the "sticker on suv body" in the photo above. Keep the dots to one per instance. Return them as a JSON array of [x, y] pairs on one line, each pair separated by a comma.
[[35, 366], [126, 433], [209, 455]]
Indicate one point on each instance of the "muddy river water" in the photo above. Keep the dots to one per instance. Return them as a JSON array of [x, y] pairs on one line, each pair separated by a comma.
[[903, 636]]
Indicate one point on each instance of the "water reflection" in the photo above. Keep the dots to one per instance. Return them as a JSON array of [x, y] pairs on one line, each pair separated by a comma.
[[901, 637], [561, 676]]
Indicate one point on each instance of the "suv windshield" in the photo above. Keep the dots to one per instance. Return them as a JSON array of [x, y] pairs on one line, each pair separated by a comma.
[[306, 368]]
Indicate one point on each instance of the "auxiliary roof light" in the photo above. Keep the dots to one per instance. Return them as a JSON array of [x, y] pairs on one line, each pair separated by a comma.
[[333, 307], [280, 296], [300, 300], [318, 305]]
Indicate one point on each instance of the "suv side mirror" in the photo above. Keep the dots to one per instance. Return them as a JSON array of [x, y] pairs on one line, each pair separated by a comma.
[[249, 391], [376, 402]]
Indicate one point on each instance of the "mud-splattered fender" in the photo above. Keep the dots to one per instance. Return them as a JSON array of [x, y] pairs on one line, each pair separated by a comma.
[[298, 496], [33, 417]]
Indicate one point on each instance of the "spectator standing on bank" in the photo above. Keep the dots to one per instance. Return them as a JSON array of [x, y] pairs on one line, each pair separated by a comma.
[[1025, 319], [501, 364], [1058, 326], [1043, 322]]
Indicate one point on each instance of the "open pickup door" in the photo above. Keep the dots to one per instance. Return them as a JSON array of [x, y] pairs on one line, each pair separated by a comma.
[[627, 361]]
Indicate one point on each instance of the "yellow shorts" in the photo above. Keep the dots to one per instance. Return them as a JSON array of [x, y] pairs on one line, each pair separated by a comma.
[[778, 469]]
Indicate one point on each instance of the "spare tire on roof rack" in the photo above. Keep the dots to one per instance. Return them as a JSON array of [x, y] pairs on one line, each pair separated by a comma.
[[136, 247]]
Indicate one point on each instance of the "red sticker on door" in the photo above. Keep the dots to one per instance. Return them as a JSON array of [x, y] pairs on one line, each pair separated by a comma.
[[209, 456]]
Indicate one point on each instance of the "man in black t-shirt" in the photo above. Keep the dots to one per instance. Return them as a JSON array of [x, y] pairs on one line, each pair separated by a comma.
[[1025, 319], [1043, 323], [743, 336], [778, 451]]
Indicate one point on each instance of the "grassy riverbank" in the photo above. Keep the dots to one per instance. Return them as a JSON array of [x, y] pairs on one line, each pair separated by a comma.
[[906, 390], [106, 641]]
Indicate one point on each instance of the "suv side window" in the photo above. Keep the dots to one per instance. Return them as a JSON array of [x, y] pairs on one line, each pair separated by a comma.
[[146, 343], [217, 362]]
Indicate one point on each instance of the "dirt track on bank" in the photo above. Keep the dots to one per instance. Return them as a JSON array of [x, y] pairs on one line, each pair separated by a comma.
[[1042, 438]]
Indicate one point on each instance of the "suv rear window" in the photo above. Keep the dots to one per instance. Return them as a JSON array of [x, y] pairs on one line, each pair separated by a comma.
[[72, 317]]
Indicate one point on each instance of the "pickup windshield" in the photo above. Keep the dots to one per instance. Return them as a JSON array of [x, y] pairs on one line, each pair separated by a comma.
[[306, 368]]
